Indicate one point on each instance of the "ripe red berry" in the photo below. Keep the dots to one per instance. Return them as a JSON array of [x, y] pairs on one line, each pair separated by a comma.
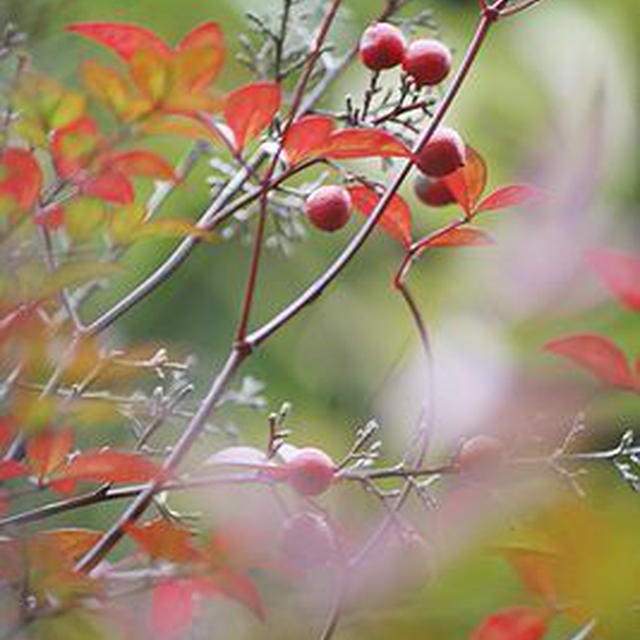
[[306, 541], [328, 208], [427, 61], [443, 154], [481, 453], [382, 46], [435, 193], [310, 471]]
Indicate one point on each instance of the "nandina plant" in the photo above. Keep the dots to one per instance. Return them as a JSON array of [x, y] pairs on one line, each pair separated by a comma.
[[82, 183]]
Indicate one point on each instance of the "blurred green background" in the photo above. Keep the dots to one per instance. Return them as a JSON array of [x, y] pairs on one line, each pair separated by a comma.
[[553, 100]]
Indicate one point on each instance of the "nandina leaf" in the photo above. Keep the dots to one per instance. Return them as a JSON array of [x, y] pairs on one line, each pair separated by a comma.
[[511, 195], [8, 430], [172, 608], [161, 539], [457, 237], [517, 623], [536, 569], [110, 185], [467, 183], [362, 143], [396, 218], [621, 273], [597, 354], [48, 450], [192, 128], [20, 177], [142, 163], [106, 465], [235, 585], [250, 109], [70, 543], [150, 72], [51, 218], [207, 42], [74, 146], [124, 39], [11, 469], [305, 136]]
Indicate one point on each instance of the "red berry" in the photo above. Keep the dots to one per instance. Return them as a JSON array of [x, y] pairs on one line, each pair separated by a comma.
[[435, 193], [306, 541], [481, 453], [427, 61], [382, 46], [310, 471], [328, 207], [443, 154]]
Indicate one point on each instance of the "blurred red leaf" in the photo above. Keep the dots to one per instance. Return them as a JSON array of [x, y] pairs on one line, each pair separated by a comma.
[[235, 585], [124, 39], [467, 183], [74, 146], [8, 430], [517, 623], [250, 109], [306, 135], [396, 218], [597, 354], [511, 195], [362, 143], [48, 450], [107, 465], [620, 271], [10, 469], [71, 543], [111, 186], [207, 42], [162, 539], [172, 608], [142, 163], [457, 237], [51, 218], [20, 177]]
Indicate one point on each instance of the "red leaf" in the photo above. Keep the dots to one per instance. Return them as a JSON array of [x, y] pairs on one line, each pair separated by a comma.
[[208, 40], [74, 146], [106, 465], [20, 177], [306, 136], [70, 543], [511, 195], [457, 237], [11, 469], [142, 163], [111, 186], [48, 450], [124, 39], [362, 143], [51, 218], [7, 430], [598, 355], [172, 608], [161, 539], [250, 109], [517, 623], [621, 273], [235, 585], [396, 219], [467, 183]]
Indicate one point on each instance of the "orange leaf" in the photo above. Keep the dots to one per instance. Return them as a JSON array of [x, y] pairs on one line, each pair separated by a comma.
[[362, 143], [396, 218], [161, 539], [20, 177], [536, 569], [142, 163], [48, 450], [511, 195], [457, 237], [74, 146], [124, 39], [467, 183], [111, 186], [621, 273], [250, 109], [71, 543], [11, 469], [517, 623], [597, 354], [207, 41], [306, 135], [106, 465], [192, 128]]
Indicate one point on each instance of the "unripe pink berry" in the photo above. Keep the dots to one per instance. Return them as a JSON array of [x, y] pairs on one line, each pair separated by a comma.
[[481, 453], [382, 46], [310, 471], [328, 207], [433, 192], [427, 61], [443, 154], [306, 541]]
